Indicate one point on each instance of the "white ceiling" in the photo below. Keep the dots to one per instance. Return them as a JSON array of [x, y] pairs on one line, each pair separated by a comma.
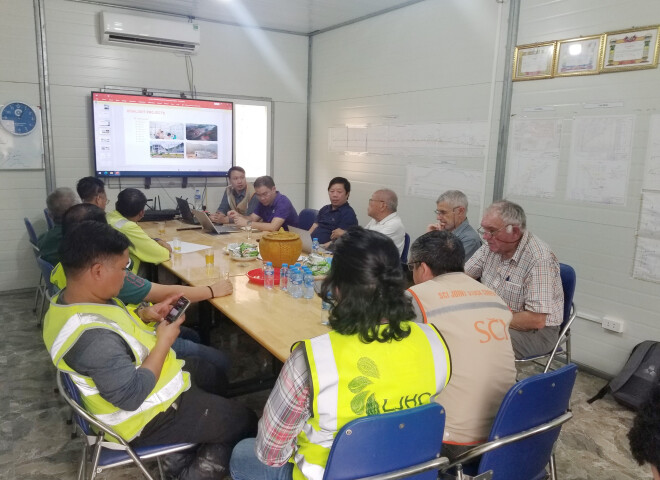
[[295, 16]]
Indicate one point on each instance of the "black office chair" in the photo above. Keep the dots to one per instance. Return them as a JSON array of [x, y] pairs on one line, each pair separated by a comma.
[[306, 218]]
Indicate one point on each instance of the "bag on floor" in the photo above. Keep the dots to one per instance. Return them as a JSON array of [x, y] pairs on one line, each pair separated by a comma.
[[640, 373]]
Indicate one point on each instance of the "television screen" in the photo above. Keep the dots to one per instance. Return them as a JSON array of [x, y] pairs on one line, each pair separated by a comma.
[[146, 136]]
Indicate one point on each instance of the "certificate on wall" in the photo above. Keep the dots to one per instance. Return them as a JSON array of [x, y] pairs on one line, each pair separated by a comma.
[[533, 61], [579, 56], [631, 49]]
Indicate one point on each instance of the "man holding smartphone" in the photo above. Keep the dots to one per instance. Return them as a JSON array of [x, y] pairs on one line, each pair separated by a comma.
[[127, 375]]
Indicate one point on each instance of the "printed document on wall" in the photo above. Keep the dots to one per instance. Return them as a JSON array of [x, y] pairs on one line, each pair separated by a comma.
[[430, 181], [647, 253], [533, 158], [652, 167], [599, 163]]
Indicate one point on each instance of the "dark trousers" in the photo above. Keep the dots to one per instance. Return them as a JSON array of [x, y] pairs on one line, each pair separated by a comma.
[[202, 416]]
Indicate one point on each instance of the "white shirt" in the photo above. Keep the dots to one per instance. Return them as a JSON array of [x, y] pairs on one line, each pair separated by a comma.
[[392, 226]]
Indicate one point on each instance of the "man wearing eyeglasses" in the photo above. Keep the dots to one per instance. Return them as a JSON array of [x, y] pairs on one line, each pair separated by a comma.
[[384, 217], [474, 322], [522, 270], [452, 216]]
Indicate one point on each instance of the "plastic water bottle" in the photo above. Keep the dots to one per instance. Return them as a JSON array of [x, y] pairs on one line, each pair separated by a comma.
[[295, 287], [198, 198], [315, 245], [269, 276], [324, 304], [284, 276], [308, 282]]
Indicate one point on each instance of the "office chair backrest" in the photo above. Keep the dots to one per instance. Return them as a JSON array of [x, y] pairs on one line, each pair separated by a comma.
[[377, 444], [32, 235], [406, 247], [307, 218], [46, 269], [568, 281], [49, 221], [529, 403]]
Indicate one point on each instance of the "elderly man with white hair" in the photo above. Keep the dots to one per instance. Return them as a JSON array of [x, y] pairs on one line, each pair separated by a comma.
[[451, 211], [524, 272]]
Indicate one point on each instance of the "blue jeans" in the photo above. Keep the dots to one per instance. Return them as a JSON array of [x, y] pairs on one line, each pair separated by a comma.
[[187, 345], [244, 465]]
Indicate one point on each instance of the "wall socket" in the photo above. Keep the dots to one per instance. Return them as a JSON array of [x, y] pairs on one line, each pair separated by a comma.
[[613, 324]]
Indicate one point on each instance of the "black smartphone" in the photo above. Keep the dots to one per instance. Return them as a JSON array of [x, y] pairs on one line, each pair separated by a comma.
[[177, 309]]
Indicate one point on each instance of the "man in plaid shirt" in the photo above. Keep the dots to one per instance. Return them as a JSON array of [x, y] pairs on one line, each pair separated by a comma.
[[524, 272]]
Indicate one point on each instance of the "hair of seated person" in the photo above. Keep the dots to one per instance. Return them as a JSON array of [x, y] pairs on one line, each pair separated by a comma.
[[265, 181], [88, 243], [340, 181], [80, 213], [59, 202], [130, 202], [441, 250], [89, 188], [366, 285], [644, 436]]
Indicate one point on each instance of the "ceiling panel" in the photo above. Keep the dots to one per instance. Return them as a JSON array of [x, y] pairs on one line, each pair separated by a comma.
[[296, 16]]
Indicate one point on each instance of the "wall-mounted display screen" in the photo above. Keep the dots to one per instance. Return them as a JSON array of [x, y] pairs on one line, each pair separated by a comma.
[[147, 136]]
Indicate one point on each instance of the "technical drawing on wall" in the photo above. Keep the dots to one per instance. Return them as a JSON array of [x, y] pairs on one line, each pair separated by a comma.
[[652, 166], [647, 253], [533, 158], [429, 181], [455, 139], [600, 156]]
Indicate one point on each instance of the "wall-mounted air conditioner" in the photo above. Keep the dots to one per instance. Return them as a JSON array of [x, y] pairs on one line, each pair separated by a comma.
[[133, 31]]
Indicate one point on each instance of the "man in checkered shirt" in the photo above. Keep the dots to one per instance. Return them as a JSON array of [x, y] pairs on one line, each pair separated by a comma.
[[524, 272]]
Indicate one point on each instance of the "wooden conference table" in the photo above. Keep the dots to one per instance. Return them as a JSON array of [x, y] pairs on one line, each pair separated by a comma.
[[271, 317]]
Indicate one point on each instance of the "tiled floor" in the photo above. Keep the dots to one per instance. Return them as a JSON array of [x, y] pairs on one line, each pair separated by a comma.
[[35, 442]]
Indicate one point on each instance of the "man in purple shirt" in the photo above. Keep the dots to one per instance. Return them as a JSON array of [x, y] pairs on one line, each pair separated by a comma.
[[273, 211], [339, 214]]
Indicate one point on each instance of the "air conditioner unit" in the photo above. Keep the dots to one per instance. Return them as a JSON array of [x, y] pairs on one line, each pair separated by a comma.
[[133, 31]]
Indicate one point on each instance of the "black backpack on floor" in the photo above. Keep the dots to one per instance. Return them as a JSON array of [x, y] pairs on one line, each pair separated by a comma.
[[640, 373]]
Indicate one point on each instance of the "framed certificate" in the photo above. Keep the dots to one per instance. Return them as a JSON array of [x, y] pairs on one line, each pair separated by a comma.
[[631, 49], [533, 61], [579, 56]]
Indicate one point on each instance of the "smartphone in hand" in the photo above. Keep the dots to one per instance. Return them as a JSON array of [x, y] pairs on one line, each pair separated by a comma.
[[177, 309]]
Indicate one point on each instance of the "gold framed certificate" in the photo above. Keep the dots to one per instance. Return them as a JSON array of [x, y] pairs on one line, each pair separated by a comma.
[[579, 56], [633, 49], [533, 61]]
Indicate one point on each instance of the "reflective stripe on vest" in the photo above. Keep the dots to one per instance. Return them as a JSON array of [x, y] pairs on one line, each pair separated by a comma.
[[120, 223], [357, 387]]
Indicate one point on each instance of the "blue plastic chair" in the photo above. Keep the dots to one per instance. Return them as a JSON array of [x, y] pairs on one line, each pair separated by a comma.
[[563, 345], [32, 235], [525, 429], [390, 445], [306, 218], [40, 290], [49, 221], [107, 454], [406, 247]]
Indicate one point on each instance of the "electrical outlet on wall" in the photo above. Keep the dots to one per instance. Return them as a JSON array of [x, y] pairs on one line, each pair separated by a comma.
[[613, 324]]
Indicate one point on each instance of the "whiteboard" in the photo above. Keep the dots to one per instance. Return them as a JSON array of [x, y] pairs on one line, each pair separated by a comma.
[[22, 152]]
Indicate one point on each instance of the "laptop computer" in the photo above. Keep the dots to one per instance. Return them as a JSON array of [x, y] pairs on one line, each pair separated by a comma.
[[184, 210], [208, 226]]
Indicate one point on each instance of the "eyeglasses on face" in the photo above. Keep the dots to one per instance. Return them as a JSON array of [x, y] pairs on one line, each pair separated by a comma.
[[444, 212], [411, 265], [490, 233]]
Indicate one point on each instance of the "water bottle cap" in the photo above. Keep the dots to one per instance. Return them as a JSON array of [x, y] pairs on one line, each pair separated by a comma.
[[269, 263], [315, 239], [285, 265]]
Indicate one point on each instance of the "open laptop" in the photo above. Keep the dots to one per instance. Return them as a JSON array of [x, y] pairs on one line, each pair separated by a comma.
[[184, 210], [208, 226]]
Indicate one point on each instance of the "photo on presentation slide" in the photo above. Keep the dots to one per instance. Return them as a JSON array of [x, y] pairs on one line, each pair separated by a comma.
[[165, 131], [163, 149], [201, 150], [195, 131]]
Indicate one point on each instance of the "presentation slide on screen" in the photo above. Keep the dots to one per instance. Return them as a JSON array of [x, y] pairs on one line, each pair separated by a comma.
[[154, 134]]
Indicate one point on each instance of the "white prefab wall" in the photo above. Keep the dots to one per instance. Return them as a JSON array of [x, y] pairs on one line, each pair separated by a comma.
[[430, 63], [598, 240], [231, 61]]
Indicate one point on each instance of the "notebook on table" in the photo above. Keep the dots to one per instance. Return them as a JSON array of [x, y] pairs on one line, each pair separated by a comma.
[[208, 226]]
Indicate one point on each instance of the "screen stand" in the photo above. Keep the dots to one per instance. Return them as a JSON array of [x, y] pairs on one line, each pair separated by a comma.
[[147, 183], [184, 182]]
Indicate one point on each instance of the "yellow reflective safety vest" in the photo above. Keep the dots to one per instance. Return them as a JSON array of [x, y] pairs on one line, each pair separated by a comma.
[[63, 326], [58, 278], [353, 379]]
